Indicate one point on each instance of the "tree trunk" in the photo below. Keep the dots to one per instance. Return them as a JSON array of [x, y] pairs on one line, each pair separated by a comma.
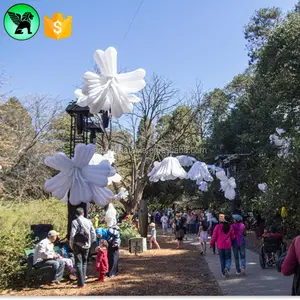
[[72, 215], [143, 218]]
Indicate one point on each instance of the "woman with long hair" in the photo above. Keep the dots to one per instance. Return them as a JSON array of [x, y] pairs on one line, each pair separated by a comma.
[[223, 236]]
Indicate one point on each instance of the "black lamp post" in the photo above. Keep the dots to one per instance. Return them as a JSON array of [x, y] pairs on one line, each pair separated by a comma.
[[84, 127]]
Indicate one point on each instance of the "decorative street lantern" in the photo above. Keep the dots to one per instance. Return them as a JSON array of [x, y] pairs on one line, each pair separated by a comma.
[[84, 125]]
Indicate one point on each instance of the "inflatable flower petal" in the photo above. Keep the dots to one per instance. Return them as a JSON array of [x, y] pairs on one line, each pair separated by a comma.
[[262, 187], [228, 186], [123, 194], [77, 176], [168, 169], [110, 91], [203, 186], [185, 160], [199, 171]]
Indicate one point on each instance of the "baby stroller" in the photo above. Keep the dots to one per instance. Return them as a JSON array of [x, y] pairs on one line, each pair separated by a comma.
[[270, 251]]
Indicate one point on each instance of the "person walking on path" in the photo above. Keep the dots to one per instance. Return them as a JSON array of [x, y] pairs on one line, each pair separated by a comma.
[[223, 236], [153, 236], [179, 229], [81, 237], [114, 242], [239, 245], [212, 224], [291, 265], [164, 222]]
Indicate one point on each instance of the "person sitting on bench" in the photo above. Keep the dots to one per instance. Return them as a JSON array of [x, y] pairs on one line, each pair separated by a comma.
[[44, 255]]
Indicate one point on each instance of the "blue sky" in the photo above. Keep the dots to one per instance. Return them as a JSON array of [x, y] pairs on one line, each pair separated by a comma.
[[181, 40]]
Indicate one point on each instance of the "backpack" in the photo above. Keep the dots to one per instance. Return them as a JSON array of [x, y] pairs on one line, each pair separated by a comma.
[[81, 236]]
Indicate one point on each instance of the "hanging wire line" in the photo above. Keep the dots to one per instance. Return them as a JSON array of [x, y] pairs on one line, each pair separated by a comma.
[[136, 13]]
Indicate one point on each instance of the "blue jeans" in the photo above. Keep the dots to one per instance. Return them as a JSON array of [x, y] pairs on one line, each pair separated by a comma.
[[81, 257], [225, 259], [239, 253], [58, 267]]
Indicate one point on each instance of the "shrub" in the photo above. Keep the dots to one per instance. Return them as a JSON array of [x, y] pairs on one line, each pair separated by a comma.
[[128, 231], [15, 223]]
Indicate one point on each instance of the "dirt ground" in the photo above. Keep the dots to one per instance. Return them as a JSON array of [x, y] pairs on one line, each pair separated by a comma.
[[168, 271]]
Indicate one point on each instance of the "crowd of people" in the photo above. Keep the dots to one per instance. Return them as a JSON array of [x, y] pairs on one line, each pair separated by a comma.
[[82, 236]]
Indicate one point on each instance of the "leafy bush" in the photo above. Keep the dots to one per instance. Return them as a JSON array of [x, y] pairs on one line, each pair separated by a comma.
[[128, 231], [15, 222]]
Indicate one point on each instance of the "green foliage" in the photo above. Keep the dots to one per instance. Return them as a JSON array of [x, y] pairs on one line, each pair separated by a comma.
[[128, 231], [15, 222]]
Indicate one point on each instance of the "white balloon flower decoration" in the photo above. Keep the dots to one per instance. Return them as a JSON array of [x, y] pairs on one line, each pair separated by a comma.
[[203, 186], [85, 182], [199, 171], [123, 194], [263, 187], [97, 158], [228, 185], [110, 91], [185, 160], [168, 169]]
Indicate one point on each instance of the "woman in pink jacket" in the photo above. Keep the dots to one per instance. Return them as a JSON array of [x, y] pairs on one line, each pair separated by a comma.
[[223, 236]]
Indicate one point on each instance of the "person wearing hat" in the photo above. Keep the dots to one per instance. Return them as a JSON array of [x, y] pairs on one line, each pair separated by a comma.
[[81, 238], [44, 255], [239, 244]]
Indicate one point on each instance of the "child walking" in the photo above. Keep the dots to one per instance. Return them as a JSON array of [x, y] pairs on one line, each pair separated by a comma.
[[203, 237], [102, 260], [153, 236]]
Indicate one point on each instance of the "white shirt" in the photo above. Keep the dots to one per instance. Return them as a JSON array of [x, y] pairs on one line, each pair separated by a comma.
[[164, 219], [43, 250]]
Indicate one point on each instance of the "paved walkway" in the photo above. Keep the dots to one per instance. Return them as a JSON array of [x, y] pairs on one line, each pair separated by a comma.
[[257, 282]]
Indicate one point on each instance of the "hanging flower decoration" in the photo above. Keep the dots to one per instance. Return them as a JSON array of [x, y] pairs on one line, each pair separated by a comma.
[[263, 187], [123, 194], [203, 186], [199, 171], [185, 160], [213, 169], [109, 156], [85, 182], [110, 91], [111, 215], [283, 143], [228, 185], [168, 169], [153, 171]]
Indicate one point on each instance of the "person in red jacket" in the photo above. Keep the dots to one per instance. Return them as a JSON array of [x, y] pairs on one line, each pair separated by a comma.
[[102, 260], [223, 235]]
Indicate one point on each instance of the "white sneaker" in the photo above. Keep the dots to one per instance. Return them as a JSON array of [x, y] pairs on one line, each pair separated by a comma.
[[238, 273]]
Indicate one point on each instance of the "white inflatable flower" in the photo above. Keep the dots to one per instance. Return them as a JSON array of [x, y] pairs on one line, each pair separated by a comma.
[[110, 91], [263, 187], [283, 143], [185, 160], [156, 165], [123, 194], [168, 169], [213, 169], [203, 186], [199, 171], [109, 156], [84, 181], [111, 215], [228, 185]]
